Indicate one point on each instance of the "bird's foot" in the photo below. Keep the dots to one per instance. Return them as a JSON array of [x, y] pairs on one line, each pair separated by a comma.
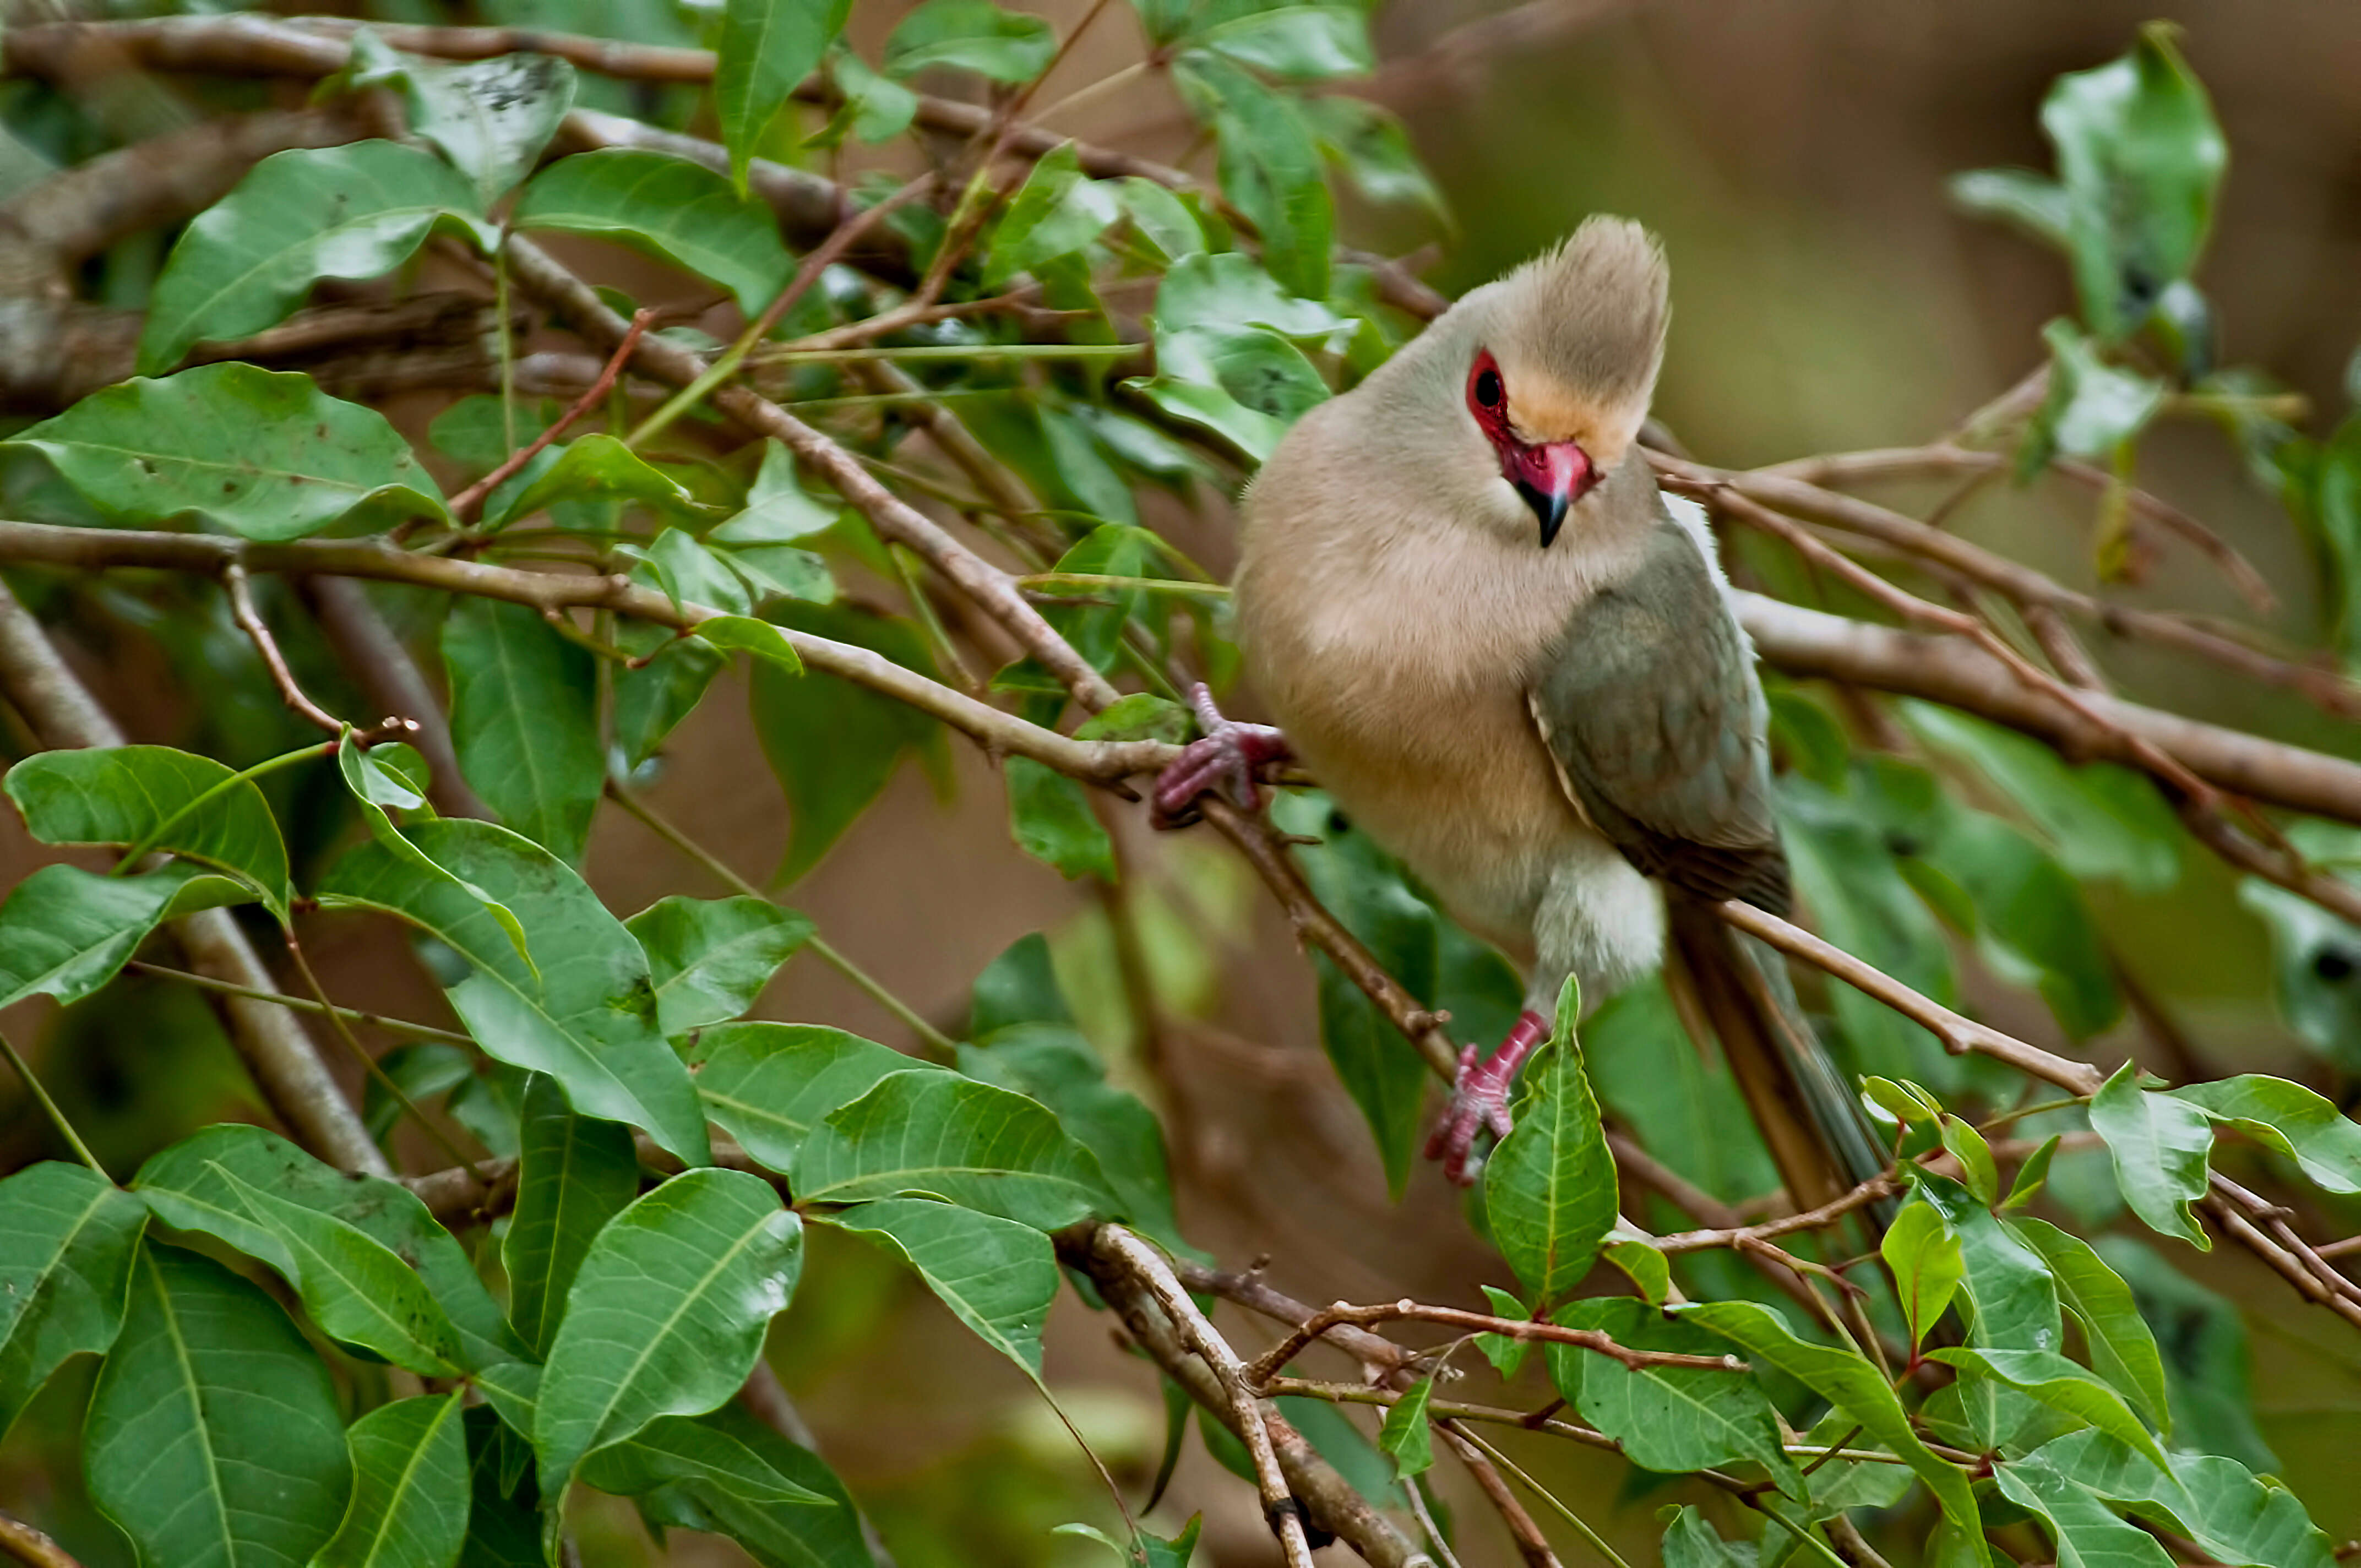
[[1229, 753], [1479, 1101]]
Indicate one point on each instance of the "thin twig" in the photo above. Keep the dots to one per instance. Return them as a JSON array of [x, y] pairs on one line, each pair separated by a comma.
[[1868, 1193], [1267, 1366], [470, 501], [304, 1004], [31, 1547]]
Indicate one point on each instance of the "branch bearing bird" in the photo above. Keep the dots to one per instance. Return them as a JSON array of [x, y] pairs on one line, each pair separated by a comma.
[[1514, 663]]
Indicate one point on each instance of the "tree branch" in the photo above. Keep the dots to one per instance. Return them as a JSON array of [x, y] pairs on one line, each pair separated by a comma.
[[1268, 1364]]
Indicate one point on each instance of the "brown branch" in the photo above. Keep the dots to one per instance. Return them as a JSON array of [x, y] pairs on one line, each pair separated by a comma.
[[21, 1543], [249, 621], [1743, 1236], [1141, 1285], [470, 501], [381, 667], [283, 1057], [1268, 1364], [1533, 1546]]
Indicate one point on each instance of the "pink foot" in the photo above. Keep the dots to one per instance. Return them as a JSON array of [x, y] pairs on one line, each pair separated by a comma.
[[1479, 1101], [1227, 754]]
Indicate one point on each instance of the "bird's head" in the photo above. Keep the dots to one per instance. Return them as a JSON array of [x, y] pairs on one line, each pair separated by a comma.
[[1567, 360]]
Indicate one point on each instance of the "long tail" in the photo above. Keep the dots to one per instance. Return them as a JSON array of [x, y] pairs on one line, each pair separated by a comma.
[[1819, 1136]]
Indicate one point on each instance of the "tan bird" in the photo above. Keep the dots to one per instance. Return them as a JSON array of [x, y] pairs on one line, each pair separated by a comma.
[[1514, 663]]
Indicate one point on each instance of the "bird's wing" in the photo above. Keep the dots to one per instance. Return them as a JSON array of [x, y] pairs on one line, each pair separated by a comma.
[[1651, 708]]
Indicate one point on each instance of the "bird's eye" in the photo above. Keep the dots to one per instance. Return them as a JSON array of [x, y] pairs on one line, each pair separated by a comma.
[[1487, 388]]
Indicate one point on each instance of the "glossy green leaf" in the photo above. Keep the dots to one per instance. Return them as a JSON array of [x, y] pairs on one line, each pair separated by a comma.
[[574, 1173], [833, 744], [2034, 202], [1672, 1419], [264, 453], [2094, 406], [1054, 1064], [1050, 817], [1405, 1438], [525, 721], [2140, 156], [155, 795], [1507, 1355], [1855, 1388], [2121, 1347], [1923, 1255], [1369, 144], [64, 932], [357, 210], [1691, 1542], [650, 701], [185, 1186], [971, 35], [679, 210], [2289, 1119], [996, 1276], [1299, 43], [352, 1285], [2069, 1389], [1055, 212], [765, 50], [931, 1133], [214, 1439], [2031, 1176], [2233, 1516], [733, 1475], [1967, 1145], [491, 118], [1549, 1189], [761, 639], [595, 467], [504, 1512], [379, 792], [1908, 1103], [876, 108], [667, 1314], [587, 1019], [410, 1488], [2160, 1146], [691, 576], [2088, 1534], [1269, 167], [67, 1237], [768, 1084], [710, 958]]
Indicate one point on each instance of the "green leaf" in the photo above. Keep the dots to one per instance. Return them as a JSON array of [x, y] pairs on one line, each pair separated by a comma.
[[410, 1488], [503, 1515], [64, 932], [650, 701], [2286, 1118], [1405, 1437], [765, 50], [2011, 1304], [2065, 1387], [2031, 1176], [2122, 1348], [1368, 143], [2035, 927], [1908, 1103], [1672, 1419], [246, 262], [1296, 43], [1549, 1189], [1269, 166], [2207, 1363], [1160, 218], [264, 453], [2087, 1534], [971, 35], [184, 1185], [1050, 817], [166, 799], [1055, 212], [768, 1084], [1645, 1266], [1854, 1386], [733, 1472], [2034, 202], [1967, 1145], [587, 1019], [2160, 1146], [710, 958], [67, 1237], [829, 784], [1691, 1542], [2233, 1516], [666, 1316], [1054, 1064], [491, 118], [352, 1285], [596, 467], [380, 790], [876, 108], [996, 1276], [1925, 1258], [2093, 406], [760, 639], [1139, 715], [1507, 1355], [214, 1439], [2141, 158], [524, 720], [574, 1174], [678, 211], [932, 1133]]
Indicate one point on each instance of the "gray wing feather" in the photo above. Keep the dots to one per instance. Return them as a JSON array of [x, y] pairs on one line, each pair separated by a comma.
[[1650, 708]]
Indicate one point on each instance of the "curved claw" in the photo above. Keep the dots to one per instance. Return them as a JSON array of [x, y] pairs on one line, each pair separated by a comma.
[[1227, 754]]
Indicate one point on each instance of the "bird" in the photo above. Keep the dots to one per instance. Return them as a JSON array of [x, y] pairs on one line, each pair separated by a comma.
[[1514, 662]]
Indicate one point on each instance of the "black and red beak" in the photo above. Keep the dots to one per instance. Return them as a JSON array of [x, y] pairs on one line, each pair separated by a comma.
[[1552, 476]]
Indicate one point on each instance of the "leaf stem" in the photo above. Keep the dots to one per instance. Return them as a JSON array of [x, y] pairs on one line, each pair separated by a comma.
[[369, 1063], [304, 1004], [49, 1107], [940, 1046]]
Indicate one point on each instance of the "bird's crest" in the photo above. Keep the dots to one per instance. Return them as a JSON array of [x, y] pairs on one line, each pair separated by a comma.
[[1585, 333]]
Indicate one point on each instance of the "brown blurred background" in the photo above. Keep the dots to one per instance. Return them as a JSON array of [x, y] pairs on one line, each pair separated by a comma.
[[1792, 153]]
